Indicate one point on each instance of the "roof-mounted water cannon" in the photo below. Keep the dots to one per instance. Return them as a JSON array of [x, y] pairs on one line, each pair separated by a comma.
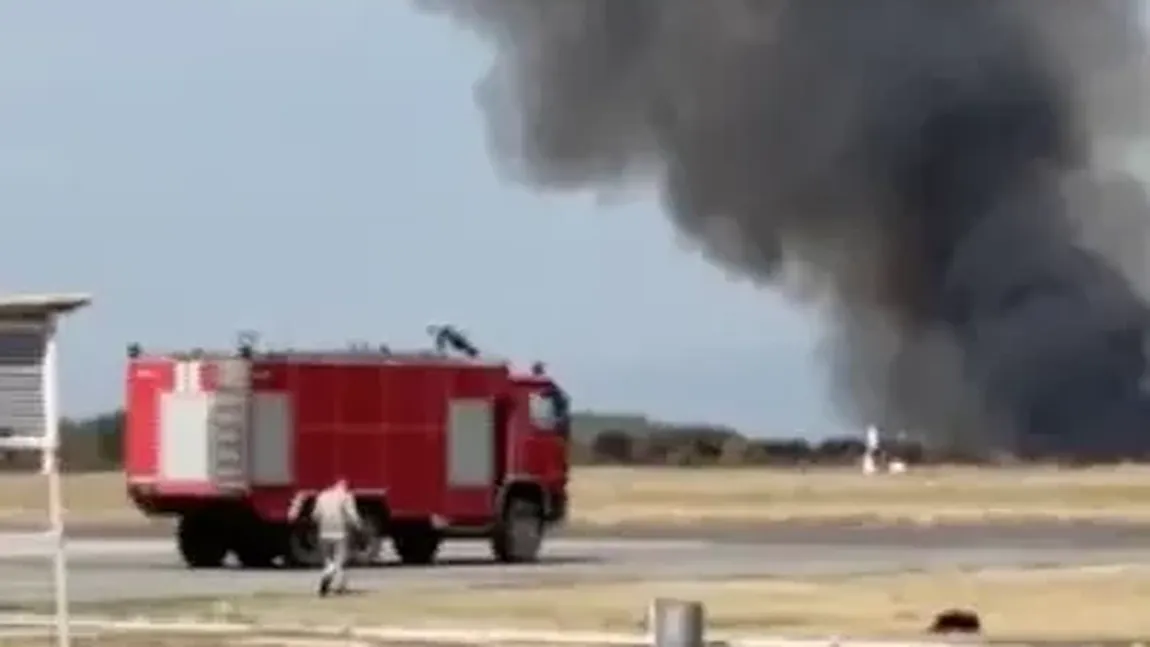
[[246, 342], [448, 337], [538, 369]]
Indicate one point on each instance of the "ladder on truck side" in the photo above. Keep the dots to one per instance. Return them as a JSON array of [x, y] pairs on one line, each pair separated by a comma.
[[228, 423]]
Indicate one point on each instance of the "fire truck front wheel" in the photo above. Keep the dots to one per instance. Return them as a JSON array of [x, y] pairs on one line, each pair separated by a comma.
[[303, 549], [368, 542], [519, 534], [200, 541]]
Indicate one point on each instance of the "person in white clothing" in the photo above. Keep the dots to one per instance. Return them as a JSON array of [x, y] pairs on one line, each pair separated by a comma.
[[336, 519]]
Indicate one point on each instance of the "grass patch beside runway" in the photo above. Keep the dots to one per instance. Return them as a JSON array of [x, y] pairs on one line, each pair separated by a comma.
[[142, 639], [95, 498], [120, 640], [1059, 603], [619, 496], [606, 497]]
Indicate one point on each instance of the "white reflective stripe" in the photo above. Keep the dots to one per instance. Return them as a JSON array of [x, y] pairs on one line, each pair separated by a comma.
[[189, 377], [195, 377], [180, 383]]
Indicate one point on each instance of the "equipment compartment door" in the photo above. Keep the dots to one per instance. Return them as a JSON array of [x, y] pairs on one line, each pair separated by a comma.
[[271, 445], [470, 457]]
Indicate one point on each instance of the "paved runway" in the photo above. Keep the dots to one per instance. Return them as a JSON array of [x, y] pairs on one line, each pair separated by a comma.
[[104, 569]]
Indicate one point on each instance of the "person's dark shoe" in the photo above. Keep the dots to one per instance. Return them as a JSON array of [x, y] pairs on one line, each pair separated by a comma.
[[324, 587]]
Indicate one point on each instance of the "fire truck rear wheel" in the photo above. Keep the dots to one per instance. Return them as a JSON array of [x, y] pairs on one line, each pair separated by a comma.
[[201, 541], [416, 544], [255, 546], [519, 535]]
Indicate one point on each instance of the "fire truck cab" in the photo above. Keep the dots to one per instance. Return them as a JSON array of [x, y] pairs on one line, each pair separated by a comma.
[[435, 444]]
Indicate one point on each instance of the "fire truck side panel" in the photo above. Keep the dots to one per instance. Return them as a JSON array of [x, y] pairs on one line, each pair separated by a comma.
[[411, 419], [146, 380], [423, 435], [327, 446], [427, 408], [360, 422], [372, 445]]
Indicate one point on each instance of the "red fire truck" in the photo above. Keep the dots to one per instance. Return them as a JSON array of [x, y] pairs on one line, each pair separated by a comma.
[[435, 444]]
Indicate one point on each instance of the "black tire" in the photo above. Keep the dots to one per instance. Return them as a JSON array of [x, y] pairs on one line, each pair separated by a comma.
[[303, 549], [416, 545], [201, 541], [367, 543], [255, 546], [518, 536]]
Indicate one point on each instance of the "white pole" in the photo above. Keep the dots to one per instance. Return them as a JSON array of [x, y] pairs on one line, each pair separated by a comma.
[[678, 623], [870, 448], [51, 468]]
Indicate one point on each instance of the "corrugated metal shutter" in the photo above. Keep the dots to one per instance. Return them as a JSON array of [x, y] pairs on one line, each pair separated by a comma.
[[21, 383]]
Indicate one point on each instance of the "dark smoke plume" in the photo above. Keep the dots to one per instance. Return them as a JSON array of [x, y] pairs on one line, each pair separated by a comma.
[[944, 175]]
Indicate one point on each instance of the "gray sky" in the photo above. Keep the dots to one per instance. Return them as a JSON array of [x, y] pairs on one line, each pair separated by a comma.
[[317, 171]]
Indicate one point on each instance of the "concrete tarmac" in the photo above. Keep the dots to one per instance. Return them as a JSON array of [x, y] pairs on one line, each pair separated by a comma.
[[125, 569], [1026, 532]]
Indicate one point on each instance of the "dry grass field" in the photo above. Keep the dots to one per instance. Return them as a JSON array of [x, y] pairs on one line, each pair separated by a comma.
[[611, 496], [97, 498], [149, 640], [137, 639], [606, 497], [86, 639], [1084, 603]]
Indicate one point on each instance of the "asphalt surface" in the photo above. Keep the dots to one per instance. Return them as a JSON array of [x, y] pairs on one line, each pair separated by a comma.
[[1105, 534], [103, 569]]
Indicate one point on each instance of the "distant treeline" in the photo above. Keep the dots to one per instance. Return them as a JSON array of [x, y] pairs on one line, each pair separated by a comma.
[[95, 444], [86, 445], [700, 446]]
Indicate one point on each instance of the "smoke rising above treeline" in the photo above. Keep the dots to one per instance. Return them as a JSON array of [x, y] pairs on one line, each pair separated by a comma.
[[945, 177]]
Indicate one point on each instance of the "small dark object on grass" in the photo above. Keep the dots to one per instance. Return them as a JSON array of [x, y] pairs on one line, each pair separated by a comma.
[[956, 621]]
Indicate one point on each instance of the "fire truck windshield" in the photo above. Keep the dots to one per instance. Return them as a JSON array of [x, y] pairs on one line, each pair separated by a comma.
[[550, 409]]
